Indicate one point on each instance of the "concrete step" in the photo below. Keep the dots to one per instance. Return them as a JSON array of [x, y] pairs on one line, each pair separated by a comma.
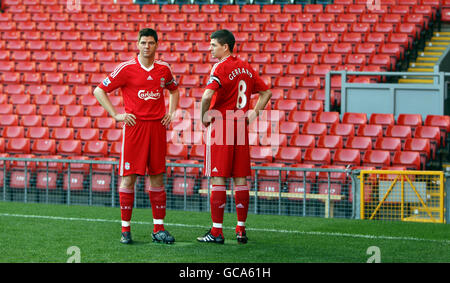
[[434, 48], [420, 70], [429, 54], [437, 43], [421, 64], [427, 59], [441, 33]]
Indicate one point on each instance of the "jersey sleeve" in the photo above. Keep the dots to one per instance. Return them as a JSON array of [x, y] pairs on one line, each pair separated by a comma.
[[114, 80], [215, 79]]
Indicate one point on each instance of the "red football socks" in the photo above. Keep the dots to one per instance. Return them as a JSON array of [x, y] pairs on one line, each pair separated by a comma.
[[126, 200], [242, 198], [158, 197], [218, 200]]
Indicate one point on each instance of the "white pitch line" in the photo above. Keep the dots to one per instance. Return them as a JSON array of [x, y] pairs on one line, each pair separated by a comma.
[[311, 233]]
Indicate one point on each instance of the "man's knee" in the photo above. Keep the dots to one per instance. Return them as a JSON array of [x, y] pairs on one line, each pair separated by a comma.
[[128, 181], [157, 181]]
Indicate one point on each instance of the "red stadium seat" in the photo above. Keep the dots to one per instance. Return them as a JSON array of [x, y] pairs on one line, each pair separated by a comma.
[[308, 58], [104, 123], [333, 182], [31, 121], [300, 116], [181, 185], [261, 154], [384, 119], [338, 27], [115, 149], [37, 132], [44, 146], [55, 121], [269, 182], [47, 172], [421, 145], [316, 129], [87, 100], [18, 145], [95, 148], [6, 109], [65, 99], [285, 82], [101, 178], [399, 131], [288, 155], [431, 133], [382, 60], [332, 59], [318, 48], [412, 120], [298, 94], [197, 152], [377, 158], [25, 109], [354, 118], [297, 70], [72, 110], [177, 151], [408, 159], [314, 106], [388, 143], [286, 105], [96, 111], [301, 182], [317, 156], [88, 134], [13, 132], [370, 130], [361, 143], [331, 142], [347, 156], [342, 129], [69, 147], [327, 117], [79, 122], [18, 179], [441, 121], [62, 133], [77, 174], [302, 140], [112, 135]]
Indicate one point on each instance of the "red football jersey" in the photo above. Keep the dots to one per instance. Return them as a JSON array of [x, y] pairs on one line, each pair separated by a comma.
[[142, 88], [234, 82]]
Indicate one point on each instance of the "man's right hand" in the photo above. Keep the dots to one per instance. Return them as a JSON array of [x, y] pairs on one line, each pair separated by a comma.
[[127, 118]]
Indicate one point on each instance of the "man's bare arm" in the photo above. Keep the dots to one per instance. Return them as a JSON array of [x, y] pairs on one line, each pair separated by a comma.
[[104, 101], [263, 99], [173, 105], [206, 103]]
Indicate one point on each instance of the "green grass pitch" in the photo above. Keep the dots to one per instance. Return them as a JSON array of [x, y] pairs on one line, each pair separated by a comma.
[[44, 233]]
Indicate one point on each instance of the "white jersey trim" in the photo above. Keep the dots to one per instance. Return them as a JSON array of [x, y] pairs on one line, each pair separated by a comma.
[[121, 66]]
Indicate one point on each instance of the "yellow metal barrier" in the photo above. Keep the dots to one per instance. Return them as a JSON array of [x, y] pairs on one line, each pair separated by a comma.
[[402, 195]]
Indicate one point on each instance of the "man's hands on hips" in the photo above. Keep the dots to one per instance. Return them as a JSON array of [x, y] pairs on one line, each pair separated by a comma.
[[127, 118]]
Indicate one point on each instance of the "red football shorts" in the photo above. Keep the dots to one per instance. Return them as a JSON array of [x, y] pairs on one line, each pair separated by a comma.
[[227, 156], [144, 148]]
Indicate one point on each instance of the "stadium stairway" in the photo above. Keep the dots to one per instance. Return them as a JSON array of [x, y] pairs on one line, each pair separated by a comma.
[[428, 56]]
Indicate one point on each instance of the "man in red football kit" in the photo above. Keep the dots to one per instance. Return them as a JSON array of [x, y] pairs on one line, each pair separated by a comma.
[[142, 80], [226, 114]]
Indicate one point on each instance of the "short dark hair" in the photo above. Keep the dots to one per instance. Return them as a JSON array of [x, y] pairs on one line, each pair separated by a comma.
[[148, 32], [224, 36]]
